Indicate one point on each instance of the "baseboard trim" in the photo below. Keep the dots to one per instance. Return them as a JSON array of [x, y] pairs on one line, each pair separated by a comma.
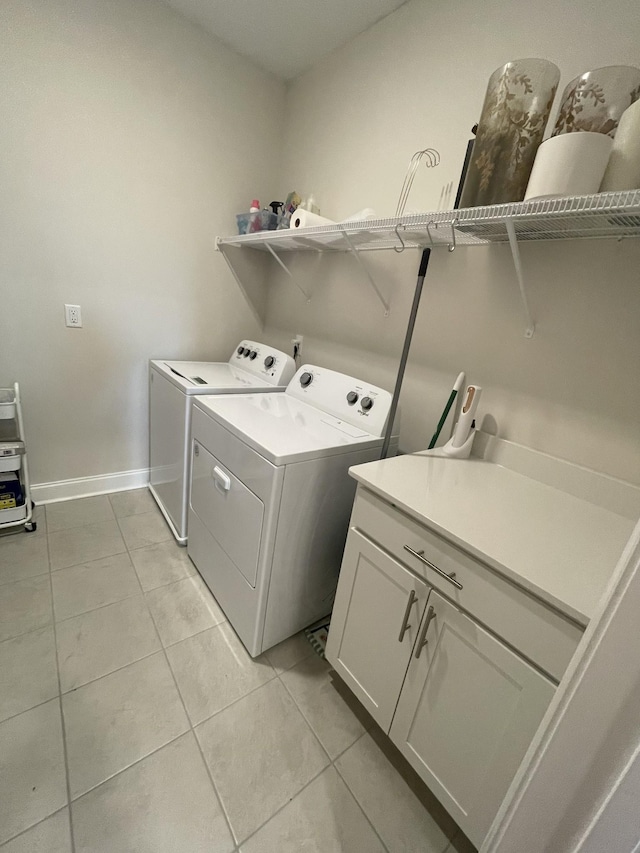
[[84, 487]]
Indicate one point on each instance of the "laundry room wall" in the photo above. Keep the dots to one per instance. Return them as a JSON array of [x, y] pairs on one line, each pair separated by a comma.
[[129, 140], [418, 79]]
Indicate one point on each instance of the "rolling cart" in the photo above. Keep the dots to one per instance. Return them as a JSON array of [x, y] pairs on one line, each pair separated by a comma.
[[16, 507]]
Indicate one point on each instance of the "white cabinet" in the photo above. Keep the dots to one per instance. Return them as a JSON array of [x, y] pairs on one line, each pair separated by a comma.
[[380, 606], [468, 709], [448, 656]]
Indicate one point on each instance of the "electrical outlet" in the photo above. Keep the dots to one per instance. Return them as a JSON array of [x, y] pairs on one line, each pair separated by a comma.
[[297, 346], [73, 316]]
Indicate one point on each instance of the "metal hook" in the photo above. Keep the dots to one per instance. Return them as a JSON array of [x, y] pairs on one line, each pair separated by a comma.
[[402, 243], [432, 158], [452, 244], [429, 224]]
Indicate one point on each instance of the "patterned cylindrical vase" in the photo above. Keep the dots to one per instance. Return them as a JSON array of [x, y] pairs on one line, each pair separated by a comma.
[[514, 115], [595, 101]]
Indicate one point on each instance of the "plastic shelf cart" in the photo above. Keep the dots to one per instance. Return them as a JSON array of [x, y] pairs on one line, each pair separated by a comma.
[[16, 507]]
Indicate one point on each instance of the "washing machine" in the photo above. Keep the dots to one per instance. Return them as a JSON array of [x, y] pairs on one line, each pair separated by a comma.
[[252, 367], [271, 497]]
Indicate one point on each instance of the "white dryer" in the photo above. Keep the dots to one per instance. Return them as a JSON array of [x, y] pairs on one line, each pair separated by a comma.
[[271, 497], [172, 385]]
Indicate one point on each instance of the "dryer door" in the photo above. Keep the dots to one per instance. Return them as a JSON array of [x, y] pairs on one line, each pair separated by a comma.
[[229, 510]]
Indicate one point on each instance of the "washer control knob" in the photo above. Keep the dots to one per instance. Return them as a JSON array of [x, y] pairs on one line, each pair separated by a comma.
[[306, 379], [246, 352], [240, 350], [352, 398], [253, 355], [269, 361], [366, 403]]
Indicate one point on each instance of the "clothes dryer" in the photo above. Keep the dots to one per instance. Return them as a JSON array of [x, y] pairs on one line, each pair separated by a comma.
[[271, 497]]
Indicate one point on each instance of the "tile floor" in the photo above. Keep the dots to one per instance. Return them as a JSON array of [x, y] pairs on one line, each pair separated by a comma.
[[132, 719]]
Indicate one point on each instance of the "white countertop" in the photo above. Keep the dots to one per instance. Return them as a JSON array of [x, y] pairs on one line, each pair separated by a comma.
[[557, 546]]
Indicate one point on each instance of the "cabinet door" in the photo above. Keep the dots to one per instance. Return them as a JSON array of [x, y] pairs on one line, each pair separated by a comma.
[[468, 710], [374, 625]]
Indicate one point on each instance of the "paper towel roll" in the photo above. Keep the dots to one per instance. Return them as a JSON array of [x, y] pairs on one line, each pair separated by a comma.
[[569, 164], [306, 219], [623, 170]]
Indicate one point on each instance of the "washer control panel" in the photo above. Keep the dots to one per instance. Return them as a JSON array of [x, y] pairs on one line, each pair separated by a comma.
[[345, 397], [264, 361]]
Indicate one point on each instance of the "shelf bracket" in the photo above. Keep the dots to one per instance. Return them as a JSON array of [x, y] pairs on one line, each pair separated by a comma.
[[288, 272], [375, 287], [515, 253], [223, 251]]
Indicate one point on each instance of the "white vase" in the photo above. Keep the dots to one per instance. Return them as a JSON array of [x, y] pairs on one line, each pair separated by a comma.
[[623, 169], [569, 164]]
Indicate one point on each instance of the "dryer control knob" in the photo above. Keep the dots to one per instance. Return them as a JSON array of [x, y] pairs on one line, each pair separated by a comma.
[[366, 403], [269, 361], [352, 397], [253, 355], [246, 352], [306, 379], [240, 350]]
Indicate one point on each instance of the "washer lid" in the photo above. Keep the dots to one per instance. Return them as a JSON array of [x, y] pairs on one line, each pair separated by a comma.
[[202, 377], [251, 367], [283, 429]]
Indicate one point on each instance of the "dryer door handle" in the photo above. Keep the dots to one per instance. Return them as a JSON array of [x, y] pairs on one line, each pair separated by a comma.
[[223, 481]]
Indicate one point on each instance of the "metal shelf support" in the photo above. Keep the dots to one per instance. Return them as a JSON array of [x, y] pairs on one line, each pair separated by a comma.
[[375, 287], [515, 253], [288, 272], [220, 247]]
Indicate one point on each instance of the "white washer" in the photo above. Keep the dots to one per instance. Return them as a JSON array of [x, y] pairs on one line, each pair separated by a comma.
[[172, 384], [271, 497]]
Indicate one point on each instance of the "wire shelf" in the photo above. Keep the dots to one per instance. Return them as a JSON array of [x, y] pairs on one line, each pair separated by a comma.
[[615, 214]]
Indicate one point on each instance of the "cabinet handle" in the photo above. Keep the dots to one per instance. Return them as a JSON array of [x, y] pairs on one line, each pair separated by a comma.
[[405, 622], [420, 555], [422, 642]]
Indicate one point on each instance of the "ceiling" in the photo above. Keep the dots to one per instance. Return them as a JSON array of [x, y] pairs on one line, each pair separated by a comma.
[[285, 36]]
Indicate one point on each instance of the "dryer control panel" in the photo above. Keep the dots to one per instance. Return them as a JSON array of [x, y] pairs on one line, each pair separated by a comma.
[[349, 399], [264, 361]]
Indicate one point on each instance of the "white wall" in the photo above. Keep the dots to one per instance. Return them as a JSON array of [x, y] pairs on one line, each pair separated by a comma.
[[418, 79], [129, 140]]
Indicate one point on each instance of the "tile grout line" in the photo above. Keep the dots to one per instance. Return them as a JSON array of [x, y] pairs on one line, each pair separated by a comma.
[[111, 672], [195, 737], [62, 717], [84, 562], [142, 591], [332, 761], [191, 726], [302, 714], [32, 708], [33, 825], [357, 801], [128, 767], [283, 807], [309, 725], [99, 607], [276, 676], [21, 580]]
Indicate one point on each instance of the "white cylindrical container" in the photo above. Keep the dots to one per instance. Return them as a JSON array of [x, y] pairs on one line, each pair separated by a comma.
[[623, 169], [569, 164], [306, 219]]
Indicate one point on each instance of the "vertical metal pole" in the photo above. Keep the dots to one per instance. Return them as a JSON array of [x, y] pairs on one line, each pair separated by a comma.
[[424, 263]]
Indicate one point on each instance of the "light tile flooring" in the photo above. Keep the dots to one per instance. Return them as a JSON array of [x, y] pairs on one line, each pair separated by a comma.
[[132, 719]]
